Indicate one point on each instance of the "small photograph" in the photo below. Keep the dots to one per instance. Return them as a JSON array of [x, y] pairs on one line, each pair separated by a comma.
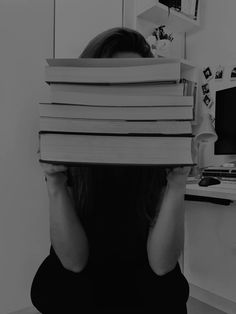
[[212, 118], [205, 89], [219, 73], [207, 73], [207, 100], [210, 106], [233, 73]]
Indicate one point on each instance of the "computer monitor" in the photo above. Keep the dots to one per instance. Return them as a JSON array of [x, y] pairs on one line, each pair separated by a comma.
[[225, 122]]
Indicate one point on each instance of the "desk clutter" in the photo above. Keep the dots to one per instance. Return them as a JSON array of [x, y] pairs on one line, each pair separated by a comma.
[[227, 174], [134, 111]]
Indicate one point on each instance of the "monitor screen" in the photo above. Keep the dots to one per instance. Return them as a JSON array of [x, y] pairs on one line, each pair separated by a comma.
[[225, 122]]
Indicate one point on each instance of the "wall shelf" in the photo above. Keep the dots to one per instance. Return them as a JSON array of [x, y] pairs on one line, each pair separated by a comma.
[[157, 13]]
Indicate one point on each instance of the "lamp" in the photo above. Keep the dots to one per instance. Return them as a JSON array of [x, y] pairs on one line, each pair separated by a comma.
[[204, 133]]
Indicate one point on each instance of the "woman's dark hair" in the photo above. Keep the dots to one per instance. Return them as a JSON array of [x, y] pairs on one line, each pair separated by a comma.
[[144, 183], [114, 40]]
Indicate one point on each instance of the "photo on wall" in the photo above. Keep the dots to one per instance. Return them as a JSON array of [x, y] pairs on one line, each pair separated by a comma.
[[207, 72], [212, 118], [205, 89], [233, 73], [219, 74], [208, 100]]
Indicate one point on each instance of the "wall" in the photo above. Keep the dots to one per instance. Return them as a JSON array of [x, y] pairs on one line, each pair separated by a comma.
[[26, 32], [210, 253], [212, 45], [210, 228], [77, 22], [131, 8]]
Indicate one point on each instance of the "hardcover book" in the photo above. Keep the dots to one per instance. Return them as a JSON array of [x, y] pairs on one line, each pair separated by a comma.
[[115, 149], [123, 113], [115, 71]]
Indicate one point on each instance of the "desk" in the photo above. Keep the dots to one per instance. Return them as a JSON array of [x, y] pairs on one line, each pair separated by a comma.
[[210, 245], [223, 190]]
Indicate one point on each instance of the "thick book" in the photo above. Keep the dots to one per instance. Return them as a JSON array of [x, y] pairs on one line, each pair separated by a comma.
[[115, 149], [108, 62], [123, 113], [125, 95], [114, 126], [115, 71]]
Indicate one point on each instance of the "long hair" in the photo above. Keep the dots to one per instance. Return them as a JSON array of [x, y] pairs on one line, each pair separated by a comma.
[[114, 40], [144, 184]]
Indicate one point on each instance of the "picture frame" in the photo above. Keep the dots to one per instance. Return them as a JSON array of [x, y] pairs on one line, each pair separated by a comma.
[[219, 73], [207, 72], [207, 100], [205, 89], [233, 73]]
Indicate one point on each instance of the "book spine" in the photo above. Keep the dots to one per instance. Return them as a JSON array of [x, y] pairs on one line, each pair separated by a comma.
[[123, 113], [185, 7], [105, 164], [110, 149], [114, 126], [119, 99], [76, 91], [196, 9], [192, 8], [107, 62], [148, 73], [118, 135], [176, 4]]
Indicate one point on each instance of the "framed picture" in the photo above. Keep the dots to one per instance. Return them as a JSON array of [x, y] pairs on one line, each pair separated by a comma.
[[205, 89], [207, 73], [210, 106], [212, 118], [233, 73], [207, 100], [219, 73]]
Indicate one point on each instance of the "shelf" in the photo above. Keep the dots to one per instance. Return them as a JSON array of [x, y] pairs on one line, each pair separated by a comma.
[[157, 13]]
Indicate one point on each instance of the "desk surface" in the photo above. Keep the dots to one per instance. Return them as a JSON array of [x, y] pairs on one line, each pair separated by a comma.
[[223, 190]]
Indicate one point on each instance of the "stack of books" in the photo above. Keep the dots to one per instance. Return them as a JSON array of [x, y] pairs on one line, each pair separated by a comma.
[[134, 111]]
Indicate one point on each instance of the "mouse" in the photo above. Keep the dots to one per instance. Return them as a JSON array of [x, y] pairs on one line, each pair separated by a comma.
[[206, 181]]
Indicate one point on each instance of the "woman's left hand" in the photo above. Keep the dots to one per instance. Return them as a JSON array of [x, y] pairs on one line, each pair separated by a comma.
[[176, 177]]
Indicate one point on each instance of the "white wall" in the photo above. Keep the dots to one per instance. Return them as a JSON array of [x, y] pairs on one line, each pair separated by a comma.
[[210, 252], [214, 44], [131, 8], [26, 32], [77, 22], [210, 228], [26, 40]]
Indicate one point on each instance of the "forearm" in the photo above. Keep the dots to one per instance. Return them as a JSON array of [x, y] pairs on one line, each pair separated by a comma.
[[66, 232], [166, 238]]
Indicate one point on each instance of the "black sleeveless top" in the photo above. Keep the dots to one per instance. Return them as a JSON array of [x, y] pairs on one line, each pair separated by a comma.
[[117, 231], [118, 260]]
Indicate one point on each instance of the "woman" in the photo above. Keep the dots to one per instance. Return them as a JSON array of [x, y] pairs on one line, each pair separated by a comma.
[[116, 231]]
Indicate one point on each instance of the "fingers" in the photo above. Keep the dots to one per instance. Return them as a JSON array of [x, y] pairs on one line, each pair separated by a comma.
[[181, 170], [50, 168]]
